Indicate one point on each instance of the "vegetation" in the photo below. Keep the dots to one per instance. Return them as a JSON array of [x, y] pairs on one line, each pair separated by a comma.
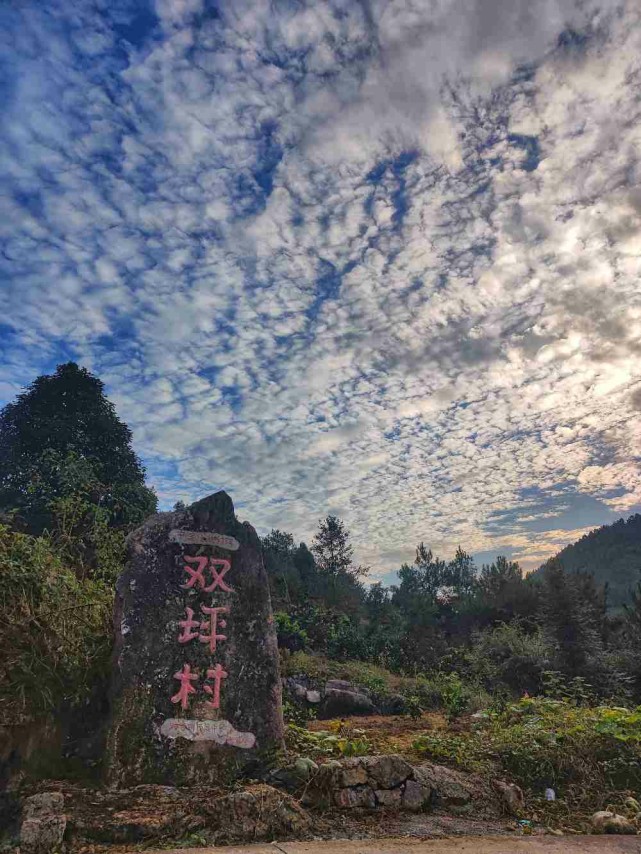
[[60, 440], [54, 632], [612, 554], [71, 488], [557, 674], [585, 753]]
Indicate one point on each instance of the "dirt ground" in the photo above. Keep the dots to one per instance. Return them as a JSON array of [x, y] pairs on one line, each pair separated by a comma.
[[469, 845], [392, 734]]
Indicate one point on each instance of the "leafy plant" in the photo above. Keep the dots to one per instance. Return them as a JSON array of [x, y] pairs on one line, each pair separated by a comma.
[[336, 741]]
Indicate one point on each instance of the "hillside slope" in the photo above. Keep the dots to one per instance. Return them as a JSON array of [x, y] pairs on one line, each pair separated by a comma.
[[612, 554]]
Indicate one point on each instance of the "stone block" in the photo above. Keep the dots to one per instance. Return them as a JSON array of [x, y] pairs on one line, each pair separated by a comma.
[[358, 796]]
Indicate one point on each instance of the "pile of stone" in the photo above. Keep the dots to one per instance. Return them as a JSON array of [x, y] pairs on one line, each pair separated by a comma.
[[375, 781], [389, 781]]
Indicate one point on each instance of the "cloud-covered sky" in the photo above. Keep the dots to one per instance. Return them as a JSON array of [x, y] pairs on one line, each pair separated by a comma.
[[378, 258]]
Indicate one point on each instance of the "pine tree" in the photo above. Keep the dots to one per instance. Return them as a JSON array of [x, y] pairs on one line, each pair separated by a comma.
[[331, 547], [62, 437]]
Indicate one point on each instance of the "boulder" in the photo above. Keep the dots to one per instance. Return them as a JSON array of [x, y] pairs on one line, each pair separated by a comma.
[[415, 796], [339, 703], [387, 772], [313, 697], [196, 691], [344, 685], [511, 794], [448, 787], [43, 825], [43, 804], [298, 691], [605, 821], [257, 813]]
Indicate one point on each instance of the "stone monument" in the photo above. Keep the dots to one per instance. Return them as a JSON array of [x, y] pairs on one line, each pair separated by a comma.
[[196, 694]]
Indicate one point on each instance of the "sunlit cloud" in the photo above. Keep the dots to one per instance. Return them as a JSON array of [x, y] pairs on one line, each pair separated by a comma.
[[375, 259]]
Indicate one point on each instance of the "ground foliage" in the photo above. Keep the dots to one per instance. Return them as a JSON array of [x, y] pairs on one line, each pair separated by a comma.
[[55, 630], [587, 754]]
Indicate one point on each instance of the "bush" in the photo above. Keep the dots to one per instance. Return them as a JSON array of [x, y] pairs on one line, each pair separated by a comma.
[[511, 655], [55, 630], [586, 752], [290, 633]]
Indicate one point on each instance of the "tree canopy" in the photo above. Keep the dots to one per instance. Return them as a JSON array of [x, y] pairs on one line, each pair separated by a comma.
[[62, 437]]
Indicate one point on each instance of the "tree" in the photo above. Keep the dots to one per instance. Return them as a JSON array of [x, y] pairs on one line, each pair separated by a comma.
[[278, 550], [61, 439], [331, 547], [573, 611]]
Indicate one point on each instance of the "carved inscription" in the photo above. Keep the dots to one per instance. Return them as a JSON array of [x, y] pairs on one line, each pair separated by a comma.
[[204, 538]]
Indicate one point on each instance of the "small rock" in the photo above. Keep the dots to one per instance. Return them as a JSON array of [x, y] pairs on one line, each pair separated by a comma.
[[512, 795], [388, 797], [605, 821], [387, 772], [43, 824], [42, 835], [353, 773], [632, 804], [299, 691], [304, 768], [44, 804], [359, 796], [313, 696], [415, 796]]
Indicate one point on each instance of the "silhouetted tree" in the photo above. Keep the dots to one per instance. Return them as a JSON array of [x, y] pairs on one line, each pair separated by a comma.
[[62, 437]]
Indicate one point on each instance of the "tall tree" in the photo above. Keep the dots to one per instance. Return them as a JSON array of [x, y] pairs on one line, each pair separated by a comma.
[[331, 547], [62, 437]]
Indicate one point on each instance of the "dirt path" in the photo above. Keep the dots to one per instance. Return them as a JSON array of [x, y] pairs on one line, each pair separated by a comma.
[[468, 845]]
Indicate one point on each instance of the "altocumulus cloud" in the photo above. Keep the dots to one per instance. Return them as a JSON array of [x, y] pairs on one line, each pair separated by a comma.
[[377, 258]]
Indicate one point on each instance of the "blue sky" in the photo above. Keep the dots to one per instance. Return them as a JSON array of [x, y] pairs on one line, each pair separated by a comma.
[[378, 258]]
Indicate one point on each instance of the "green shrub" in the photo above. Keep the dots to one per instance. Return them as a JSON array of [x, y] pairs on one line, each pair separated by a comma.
[[539, 742], [291, 635], [55, 630], [511, 655]]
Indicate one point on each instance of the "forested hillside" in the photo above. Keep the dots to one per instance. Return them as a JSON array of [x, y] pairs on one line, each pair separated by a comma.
[[612, 554]]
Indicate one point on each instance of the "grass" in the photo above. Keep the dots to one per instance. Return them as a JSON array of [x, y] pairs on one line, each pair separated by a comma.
[[421, 693], [591, 756]]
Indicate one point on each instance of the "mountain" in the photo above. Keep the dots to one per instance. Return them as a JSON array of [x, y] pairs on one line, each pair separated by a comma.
[[611, 554]]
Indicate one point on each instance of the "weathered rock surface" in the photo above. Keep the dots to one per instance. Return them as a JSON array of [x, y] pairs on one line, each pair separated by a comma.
[[605, 821], [389, 797], [342, 702], [511, 794], [449, 788], [257, 813], [43, 823], [415, 796], [195, 574], [387, 771], [358, 796]]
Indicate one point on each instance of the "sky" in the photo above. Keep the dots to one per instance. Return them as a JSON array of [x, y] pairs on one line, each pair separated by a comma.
[[374, 258]]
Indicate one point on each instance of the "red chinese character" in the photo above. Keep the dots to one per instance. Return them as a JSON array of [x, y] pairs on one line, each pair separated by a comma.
[[185, 677], [197, 576], [187, 625], [217, 674], [212, 624]]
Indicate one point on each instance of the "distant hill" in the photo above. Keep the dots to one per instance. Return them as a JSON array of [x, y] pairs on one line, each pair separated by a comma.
[[611, 554]]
